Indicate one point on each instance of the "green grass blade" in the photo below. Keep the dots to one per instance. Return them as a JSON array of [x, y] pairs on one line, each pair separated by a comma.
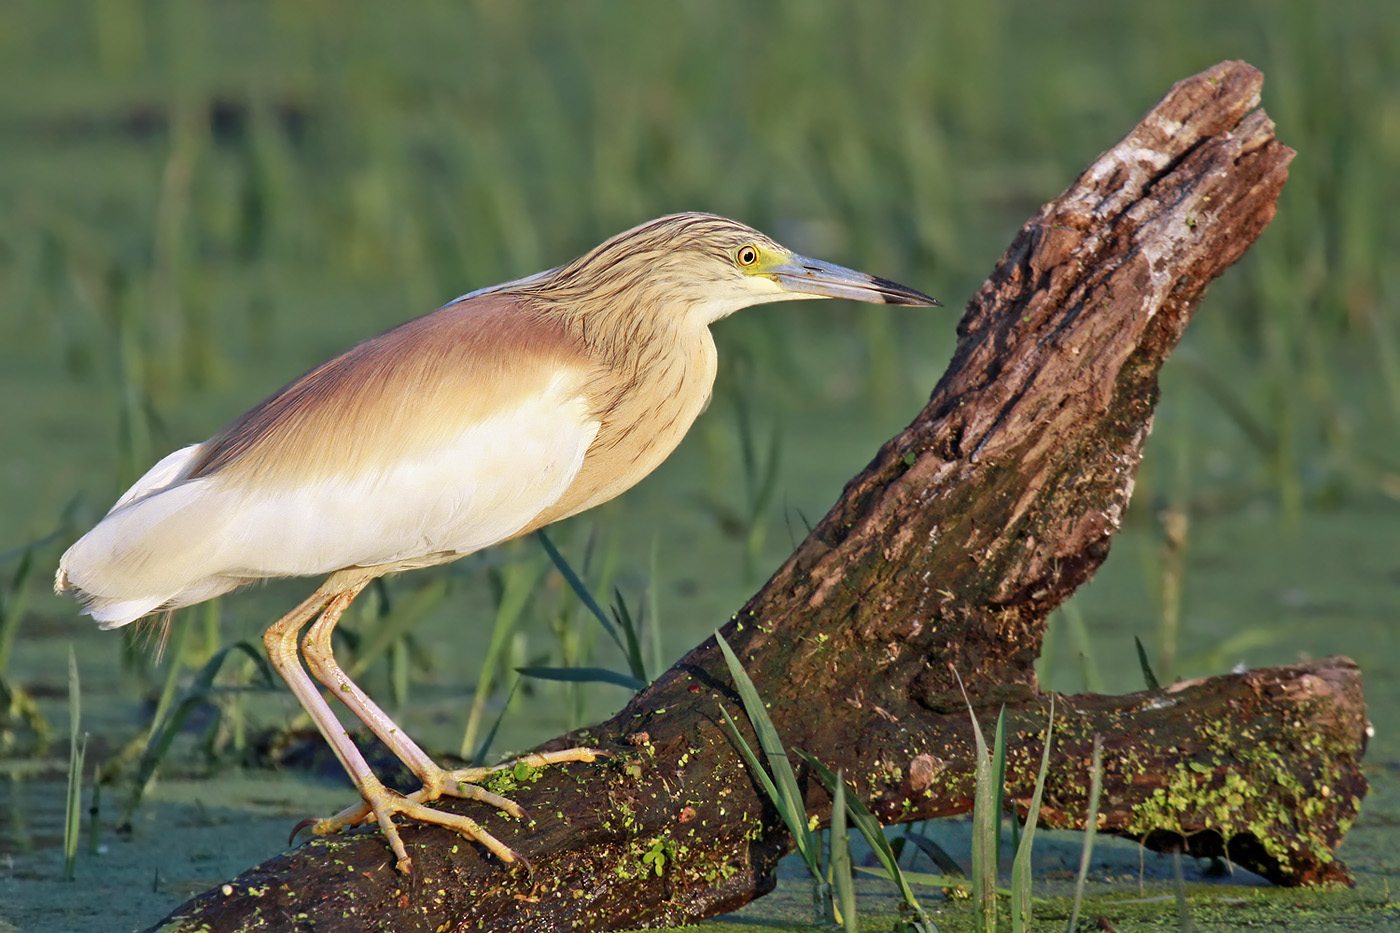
[[984, 869], [998, 784], [95, 814], [630, 635], [77, 750], [842, 882], [75, 700], [517, 582], [786, 795], [73, 808], [756, 766], [399, 664], [580, 589], [1091, 822], [1148, 677], [870, 828], [936, 854], [1183, 908], [916, 877], [794, 820], [1084, 645], [478, 756], [1021, 866], [768, 737], [170, 684], [1015, 831], [583, 675]]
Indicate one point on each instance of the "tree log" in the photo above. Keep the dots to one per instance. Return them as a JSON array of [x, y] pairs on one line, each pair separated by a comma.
[[943, 556]]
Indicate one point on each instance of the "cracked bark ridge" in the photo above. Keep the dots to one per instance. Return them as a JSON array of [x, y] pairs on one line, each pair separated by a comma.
[[945, 554]]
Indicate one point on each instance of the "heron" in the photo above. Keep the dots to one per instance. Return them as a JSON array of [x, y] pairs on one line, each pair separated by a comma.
[[502, 411]]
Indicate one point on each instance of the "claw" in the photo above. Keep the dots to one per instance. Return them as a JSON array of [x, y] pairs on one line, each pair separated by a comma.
[[309, 821]]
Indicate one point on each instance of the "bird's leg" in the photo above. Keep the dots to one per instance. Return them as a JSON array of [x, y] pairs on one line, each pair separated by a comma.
[[281, 642], [464, 782], [316, 649]]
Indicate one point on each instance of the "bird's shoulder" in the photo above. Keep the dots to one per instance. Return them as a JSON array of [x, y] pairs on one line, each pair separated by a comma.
[[415, 386]]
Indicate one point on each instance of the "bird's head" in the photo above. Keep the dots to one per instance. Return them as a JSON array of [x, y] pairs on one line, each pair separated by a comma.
[[710, 267]]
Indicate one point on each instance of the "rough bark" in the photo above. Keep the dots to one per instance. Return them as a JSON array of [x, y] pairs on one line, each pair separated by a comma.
[[945, 554]]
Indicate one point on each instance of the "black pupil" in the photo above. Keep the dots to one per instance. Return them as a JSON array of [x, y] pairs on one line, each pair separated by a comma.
[[746, 256]]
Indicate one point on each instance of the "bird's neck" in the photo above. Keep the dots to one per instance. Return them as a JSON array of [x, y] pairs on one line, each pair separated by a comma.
[[649, 372], [645, 394]]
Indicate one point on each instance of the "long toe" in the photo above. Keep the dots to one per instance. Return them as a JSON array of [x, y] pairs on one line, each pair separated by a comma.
[[454, 785], [350, 816], [466, 782], [533, 760], [464, 825], [541, 759]]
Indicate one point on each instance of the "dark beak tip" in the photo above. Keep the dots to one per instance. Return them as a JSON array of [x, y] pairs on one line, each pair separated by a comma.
[[896, 294], [919, 301]]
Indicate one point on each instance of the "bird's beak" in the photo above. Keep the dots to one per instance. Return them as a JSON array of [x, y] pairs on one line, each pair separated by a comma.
[[826, 280]]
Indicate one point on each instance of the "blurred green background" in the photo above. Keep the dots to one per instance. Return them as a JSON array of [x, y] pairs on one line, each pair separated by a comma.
[[200, 200]]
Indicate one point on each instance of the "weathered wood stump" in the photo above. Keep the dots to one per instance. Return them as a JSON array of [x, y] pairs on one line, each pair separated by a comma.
[[946, 554]]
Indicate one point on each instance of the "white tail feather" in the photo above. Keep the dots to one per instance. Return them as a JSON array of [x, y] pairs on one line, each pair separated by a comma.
[[147, 554]]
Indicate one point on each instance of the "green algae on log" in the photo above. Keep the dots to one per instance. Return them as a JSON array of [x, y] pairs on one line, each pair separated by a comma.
[[946, 554]]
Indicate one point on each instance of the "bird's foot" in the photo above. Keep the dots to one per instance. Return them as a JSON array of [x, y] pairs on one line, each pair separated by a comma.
[[386, 803], [382, 803]]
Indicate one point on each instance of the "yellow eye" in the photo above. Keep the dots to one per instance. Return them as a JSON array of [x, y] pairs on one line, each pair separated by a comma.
[[746, 256]]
